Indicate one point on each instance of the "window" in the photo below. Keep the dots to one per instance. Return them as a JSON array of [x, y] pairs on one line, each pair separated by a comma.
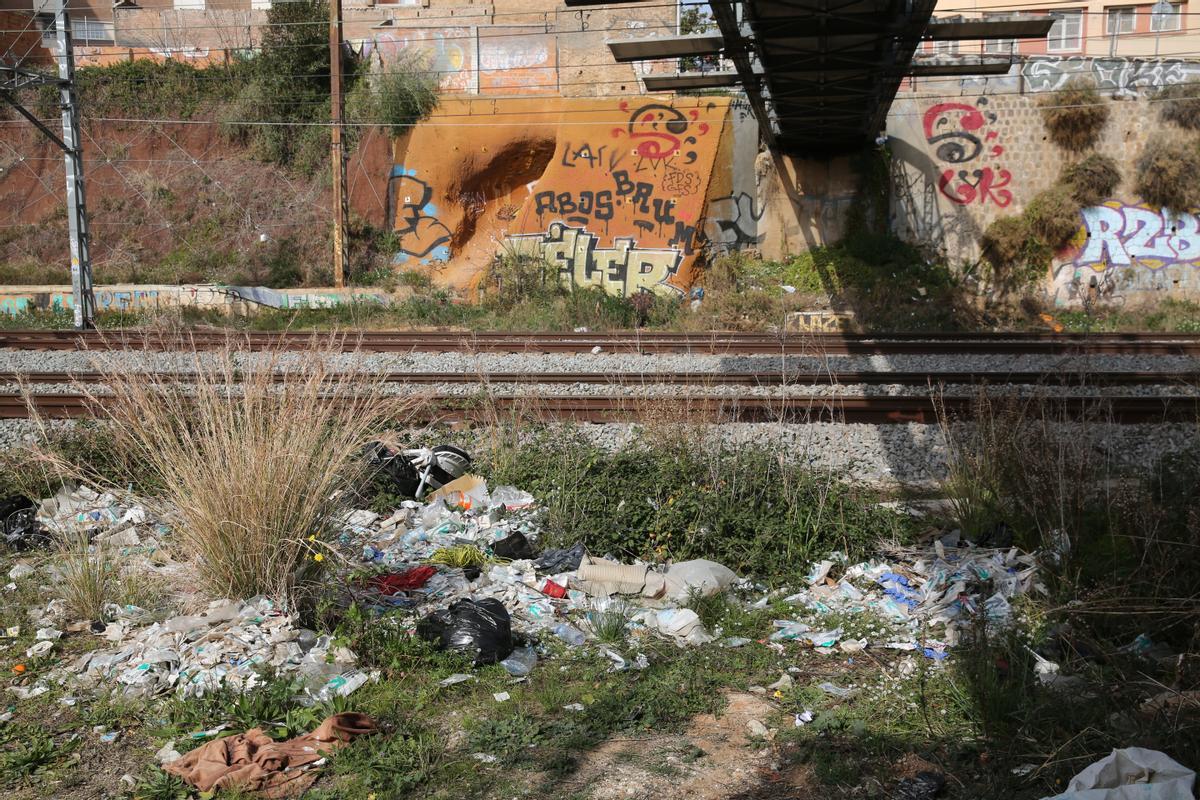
[[89, 30], [1163, 20], [1121, 20], [998, 46], [189, 5], [946, 47], [1066, 33]]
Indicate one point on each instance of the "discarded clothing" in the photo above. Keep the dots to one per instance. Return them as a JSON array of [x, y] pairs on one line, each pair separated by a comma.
[[254, 762], [1134, 773], [405, 581]]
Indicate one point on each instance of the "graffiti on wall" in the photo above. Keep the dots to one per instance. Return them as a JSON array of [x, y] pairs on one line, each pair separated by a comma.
[[963, 139], [731, 222], [1109, 74], [662, 135], [512, 63], [448, 51], [1124, 249], [469, 60], [422, 237], [623, 269], [621, 210]]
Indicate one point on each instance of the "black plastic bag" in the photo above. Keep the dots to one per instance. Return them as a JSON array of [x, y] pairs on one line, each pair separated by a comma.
[[925, 786], [19, 525], [555, 561], [515, 547], [481, 629]]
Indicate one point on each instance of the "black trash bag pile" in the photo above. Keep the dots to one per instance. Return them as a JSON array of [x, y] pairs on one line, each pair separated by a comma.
[[514, 548], [480, 628], [448, 463], [556, 561], [19, 526]]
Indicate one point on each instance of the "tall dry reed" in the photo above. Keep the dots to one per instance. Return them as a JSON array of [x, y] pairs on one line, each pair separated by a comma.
[[250, 456]]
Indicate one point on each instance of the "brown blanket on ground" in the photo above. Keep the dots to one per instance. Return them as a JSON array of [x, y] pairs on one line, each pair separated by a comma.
[[254, 762]]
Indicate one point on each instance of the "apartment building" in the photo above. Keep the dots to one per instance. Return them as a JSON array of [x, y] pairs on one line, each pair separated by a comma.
[[1095, 29], [477, 47]]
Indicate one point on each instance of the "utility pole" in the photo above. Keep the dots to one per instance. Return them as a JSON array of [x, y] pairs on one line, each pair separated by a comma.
[[14, 77], [337, 153]]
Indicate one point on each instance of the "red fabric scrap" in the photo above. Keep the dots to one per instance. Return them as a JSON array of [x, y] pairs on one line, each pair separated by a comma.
[[405, 581]]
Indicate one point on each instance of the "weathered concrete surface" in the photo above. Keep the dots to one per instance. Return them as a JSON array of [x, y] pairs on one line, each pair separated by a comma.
[[146, 297]]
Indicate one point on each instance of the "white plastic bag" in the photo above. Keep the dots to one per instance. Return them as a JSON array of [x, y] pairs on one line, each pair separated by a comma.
[[1134, 773]]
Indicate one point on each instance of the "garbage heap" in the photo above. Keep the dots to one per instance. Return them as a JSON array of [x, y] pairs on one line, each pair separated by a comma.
[[467, 570], [467, 564]]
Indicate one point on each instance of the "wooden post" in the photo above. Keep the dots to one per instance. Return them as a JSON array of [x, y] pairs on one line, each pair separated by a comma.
[[337, 154]]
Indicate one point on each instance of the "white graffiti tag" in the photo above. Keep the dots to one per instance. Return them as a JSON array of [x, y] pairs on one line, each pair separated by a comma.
[[1121, 235]]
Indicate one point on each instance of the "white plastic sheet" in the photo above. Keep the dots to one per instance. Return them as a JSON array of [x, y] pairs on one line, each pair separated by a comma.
[[1134, 773]]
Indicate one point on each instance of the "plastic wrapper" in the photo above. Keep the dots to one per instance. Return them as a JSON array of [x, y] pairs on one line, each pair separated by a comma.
[[479, 628]]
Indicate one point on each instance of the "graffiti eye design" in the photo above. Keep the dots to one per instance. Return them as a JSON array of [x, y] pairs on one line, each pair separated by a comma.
[[956, 147]]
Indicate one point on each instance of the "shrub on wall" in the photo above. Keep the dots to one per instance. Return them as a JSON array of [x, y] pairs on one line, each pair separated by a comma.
[[1166, 173], [1075, 115], [1180, 103], [1015, 252], [1092, 180], [1053, 215]]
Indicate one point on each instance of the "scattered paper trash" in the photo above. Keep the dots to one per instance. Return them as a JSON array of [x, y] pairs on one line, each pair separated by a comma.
[[501, 696]]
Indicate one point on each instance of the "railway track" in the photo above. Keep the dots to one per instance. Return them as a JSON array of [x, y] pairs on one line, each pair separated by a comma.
[[866, 410], [705, 379], [624, 342]]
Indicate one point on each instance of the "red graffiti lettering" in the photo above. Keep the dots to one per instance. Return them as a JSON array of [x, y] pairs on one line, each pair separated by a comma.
[[987, 186]]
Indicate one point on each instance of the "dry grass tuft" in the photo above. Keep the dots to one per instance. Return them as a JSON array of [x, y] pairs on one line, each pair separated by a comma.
[[1180, 103], [1054, 216], [249, 467], [1166, 173], [90, 578], [1014, 251], [1092, 180], [1075, 115]]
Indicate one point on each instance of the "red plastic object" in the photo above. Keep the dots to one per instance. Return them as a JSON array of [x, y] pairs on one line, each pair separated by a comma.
[[552, 589]]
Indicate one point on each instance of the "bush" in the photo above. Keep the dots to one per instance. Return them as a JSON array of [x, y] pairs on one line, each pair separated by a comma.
[[1166, 173], [249, 469], [1015, 251], [398, 98], [1180, 103], [1054, 216], [1092, 180], [1075, 115]]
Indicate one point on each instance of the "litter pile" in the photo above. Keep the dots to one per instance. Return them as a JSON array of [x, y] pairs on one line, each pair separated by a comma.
[[466, 564], [921, 590], [229, 645]]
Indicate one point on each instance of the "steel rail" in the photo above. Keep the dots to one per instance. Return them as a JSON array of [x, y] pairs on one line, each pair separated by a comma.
[[867, 410], [718, 343], [702, 379]]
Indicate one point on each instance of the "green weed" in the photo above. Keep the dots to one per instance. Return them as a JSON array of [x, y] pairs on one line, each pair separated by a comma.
[[154, 784]]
